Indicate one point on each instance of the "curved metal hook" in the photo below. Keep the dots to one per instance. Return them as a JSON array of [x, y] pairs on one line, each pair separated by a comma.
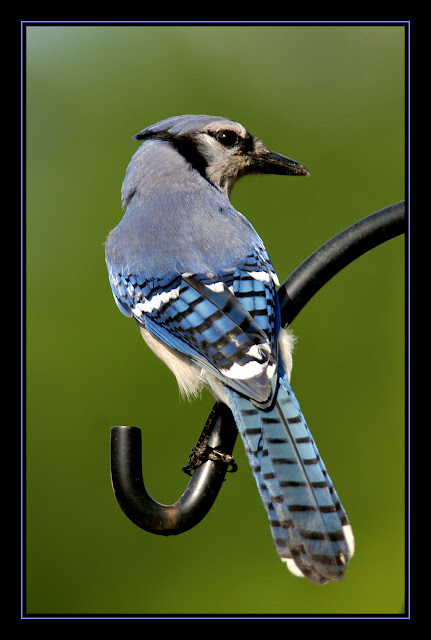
[[220, 430], [201, 491]]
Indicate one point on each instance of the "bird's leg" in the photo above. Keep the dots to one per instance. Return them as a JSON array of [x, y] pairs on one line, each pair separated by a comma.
[[202, 452]]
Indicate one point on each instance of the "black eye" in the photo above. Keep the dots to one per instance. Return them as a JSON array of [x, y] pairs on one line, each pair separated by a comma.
[[227, 137]]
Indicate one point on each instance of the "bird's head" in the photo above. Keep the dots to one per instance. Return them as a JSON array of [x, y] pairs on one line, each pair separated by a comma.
[[222, 150]]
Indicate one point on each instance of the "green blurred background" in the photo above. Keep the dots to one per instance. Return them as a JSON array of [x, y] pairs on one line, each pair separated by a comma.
[[332, 98]]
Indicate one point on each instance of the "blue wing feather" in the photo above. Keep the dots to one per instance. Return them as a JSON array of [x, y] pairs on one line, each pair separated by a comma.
[[221, 321]]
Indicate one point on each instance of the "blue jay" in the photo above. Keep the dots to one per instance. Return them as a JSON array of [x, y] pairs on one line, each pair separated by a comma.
[[196, 277]]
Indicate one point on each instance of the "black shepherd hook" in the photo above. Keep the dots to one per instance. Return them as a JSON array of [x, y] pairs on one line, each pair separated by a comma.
[[212, 455]]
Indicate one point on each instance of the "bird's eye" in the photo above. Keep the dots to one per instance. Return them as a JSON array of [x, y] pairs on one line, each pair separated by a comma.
[[227, 138]]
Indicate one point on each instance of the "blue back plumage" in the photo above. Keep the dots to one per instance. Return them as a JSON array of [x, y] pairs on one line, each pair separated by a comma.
[[196, 277]]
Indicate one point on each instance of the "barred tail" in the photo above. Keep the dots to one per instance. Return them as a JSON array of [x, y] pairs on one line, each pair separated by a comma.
[[310, 528]]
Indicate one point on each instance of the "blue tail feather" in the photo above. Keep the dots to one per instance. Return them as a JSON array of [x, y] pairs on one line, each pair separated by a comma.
[[308, 523]]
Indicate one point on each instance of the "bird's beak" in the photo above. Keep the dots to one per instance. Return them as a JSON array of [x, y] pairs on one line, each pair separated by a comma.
[[265, 161]]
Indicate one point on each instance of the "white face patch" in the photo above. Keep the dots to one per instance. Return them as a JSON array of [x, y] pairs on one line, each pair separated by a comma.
[[224, 163], [156, 301]]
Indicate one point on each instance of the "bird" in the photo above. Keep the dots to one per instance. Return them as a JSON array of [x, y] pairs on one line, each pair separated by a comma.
[[197, 279]]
